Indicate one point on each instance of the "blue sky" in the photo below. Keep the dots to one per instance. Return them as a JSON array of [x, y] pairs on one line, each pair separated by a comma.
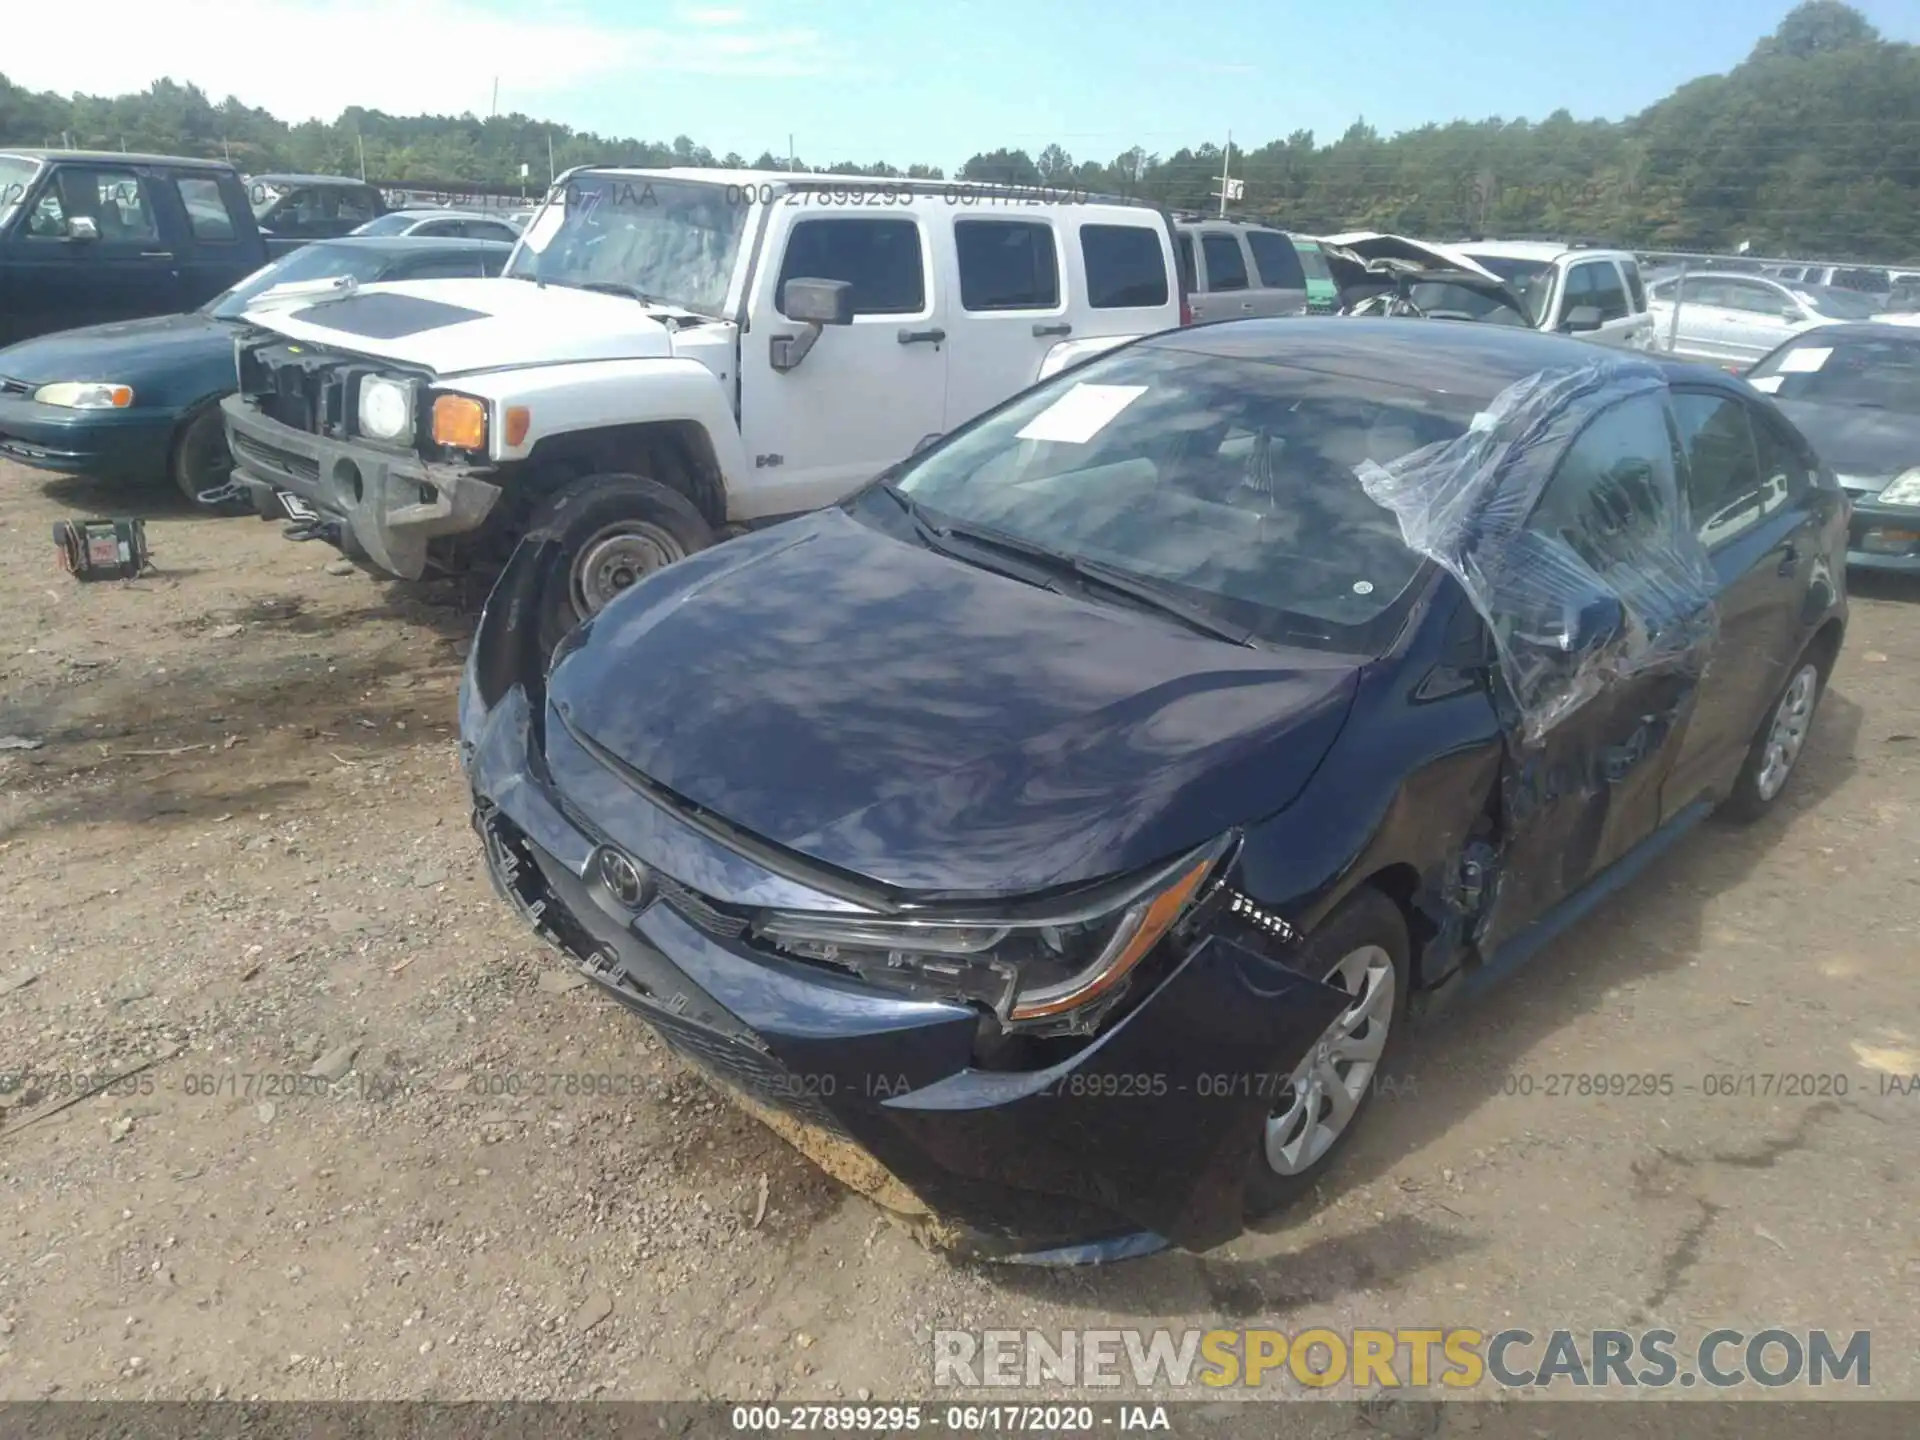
[[916, 80]]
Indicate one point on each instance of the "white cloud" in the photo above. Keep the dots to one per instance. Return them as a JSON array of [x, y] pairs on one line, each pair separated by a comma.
[[306, 59]]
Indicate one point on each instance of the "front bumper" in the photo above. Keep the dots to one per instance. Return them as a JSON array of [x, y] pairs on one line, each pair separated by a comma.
[[132, 444], [380, 506], [1884, 537], [1142, 1136]]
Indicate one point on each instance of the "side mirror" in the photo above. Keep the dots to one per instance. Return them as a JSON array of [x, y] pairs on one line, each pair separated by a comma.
[[818, 302], [1581, 319], [815, 303], [83, 227]]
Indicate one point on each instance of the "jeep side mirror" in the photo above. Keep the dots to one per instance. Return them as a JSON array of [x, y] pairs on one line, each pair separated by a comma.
[[815, 303], [1581, 319], [83, 227], [818, 302]]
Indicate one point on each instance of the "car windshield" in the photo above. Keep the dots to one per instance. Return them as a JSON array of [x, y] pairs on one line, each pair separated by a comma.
[[1227, 483], [303, 266], [1531, 280], [1841, 304], [673, 241], [397, 223], [1881, 373], [16, 178], [1445, 300]]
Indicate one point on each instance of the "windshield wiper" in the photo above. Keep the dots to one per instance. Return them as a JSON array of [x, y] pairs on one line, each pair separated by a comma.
[[620, 287], [934, 535], [1109, 577]]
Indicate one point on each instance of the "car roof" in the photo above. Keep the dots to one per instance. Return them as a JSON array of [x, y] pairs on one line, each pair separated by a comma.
[[815, 180], [280, 178], [120, 157], [430, 212], [1539, 250]]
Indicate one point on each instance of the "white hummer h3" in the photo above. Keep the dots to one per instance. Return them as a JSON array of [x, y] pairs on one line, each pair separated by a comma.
[[672, 354]]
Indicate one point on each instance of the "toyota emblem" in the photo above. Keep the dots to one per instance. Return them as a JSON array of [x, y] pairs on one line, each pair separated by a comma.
[[626, 880]]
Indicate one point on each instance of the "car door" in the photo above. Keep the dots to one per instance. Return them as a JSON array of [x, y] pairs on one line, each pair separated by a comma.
[[214, 248], [1580, 795], [89, 249], [1282, 283], [1709, 323], [1007, 307], [1755, 507], [1598, 285], [866, 393], [1224, 281], [1760, 315]]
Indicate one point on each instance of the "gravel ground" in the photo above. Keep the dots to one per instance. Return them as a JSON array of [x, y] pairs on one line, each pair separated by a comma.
[[238, 873]]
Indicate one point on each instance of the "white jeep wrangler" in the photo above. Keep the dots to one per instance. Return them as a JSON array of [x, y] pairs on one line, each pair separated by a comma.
[[670, 354]]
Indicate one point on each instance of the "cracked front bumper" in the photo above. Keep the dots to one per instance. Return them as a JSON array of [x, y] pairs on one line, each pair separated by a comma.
[[375, 505]]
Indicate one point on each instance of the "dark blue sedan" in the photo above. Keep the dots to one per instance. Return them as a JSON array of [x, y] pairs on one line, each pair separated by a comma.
[[1050, 839], [139, 400]]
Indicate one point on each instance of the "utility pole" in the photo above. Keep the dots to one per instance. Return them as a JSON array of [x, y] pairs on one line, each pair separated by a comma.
[[791, 166], [496, 96], [549, 159], [361, 141], [1230, 189]]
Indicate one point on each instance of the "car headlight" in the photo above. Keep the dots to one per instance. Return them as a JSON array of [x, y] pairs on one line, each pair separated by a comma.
[[86, 395], [1053, 968], [385, 408], [1905, 489]]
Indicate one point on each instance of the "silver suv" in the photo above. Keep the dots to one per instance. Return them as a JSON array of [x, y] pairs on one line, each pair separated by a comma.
[[1235, 270]]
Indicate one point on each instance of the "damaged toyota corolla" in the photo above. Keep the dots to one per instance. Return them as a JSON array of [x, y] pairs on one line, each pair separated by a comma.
[[1050, 839]]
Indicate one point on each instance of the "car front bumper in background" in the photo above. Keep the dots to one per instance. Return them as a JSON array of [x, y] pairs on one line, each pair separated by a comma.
[[379, 506], [1884, 537], [132, 444], [1140, 1136]]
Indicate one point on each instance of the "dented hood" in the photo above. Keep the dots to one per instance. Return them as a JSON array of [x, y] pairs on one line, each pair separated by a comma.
[[895, 713], [1360, 247], [454, 327]]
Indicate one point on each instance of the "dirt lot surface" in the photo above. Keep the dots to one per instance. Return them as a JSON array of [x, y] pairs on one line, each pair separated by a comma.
[[242, 854]]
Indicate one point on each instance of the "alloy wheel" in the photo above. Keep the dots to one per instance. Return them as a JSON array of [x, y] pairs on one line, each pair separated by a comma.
[[1792, 719], [1324, 1093]]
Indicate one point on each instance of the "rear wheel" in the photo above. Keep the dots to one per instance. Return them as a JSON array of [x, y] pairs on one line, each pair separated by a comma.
[[1775, 752], [613, 530], [202, 465], [1363, 949]]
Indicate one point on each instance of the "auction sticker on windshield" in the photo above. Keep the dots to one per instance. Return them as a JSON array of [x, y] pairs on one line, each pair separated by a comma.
[[1803, 361], [1082, 413]]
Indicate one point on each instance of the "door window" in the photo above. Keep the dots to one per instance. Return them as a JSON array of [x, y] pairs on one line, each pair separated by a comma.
[[206, 207], [1006, 265], [1636, 287], [112, 199], [1187, 273], [1754, 298], [1226, 267], [1126, 268], [881, 259], [1595, 283], [1276, 260], [1724, 489], [356, 207]]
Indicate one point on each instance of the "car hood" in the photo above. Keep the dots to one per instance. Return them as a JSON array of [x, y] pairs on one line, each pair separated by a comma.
[[455, 327], [1863, 445], [1361, 248], [889, 711], [123, 351]]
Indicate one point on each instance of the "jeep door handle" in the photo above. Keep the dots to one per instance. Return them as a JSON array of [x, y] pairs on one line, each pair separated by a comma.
[[1063, 328], [916, 337]]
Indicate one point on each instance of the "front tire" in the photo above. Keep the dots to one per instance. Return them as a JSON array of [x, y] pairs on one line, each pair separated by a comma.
[[613, 531], [202, 466], [1776, 749], [1363, 948]]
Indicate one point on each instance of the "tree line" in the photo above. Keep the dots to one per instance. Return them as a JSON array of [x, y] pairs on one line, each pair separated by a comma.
[[1809, 146]]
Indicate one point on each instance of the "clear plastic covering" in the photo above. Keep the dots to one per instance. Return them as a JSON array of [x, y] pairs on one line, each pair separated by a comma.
[[1563, 512]]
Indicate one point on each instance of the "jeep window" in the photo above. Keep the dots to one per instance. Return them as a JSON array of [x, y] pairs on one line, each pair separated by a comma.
[[1274, 258], [206, 208], [1006, 265], [356, 205], [1531, 280], [1187, 273], [1603, 287], [672, 240], [881, 259], [1125, 266], [16, 179], [1873, 282], [1226, 268], [1312, 261]]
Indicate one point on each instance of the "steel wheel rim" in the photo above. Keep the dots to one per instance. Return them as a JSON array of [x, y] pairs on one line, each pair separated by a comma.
[[1324, 1092], [1792, 719], [616, 558]]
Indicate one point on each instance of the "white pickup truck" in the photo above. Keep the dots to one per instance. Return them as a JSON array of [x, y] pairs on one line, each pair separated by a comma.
[[670, 354]]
